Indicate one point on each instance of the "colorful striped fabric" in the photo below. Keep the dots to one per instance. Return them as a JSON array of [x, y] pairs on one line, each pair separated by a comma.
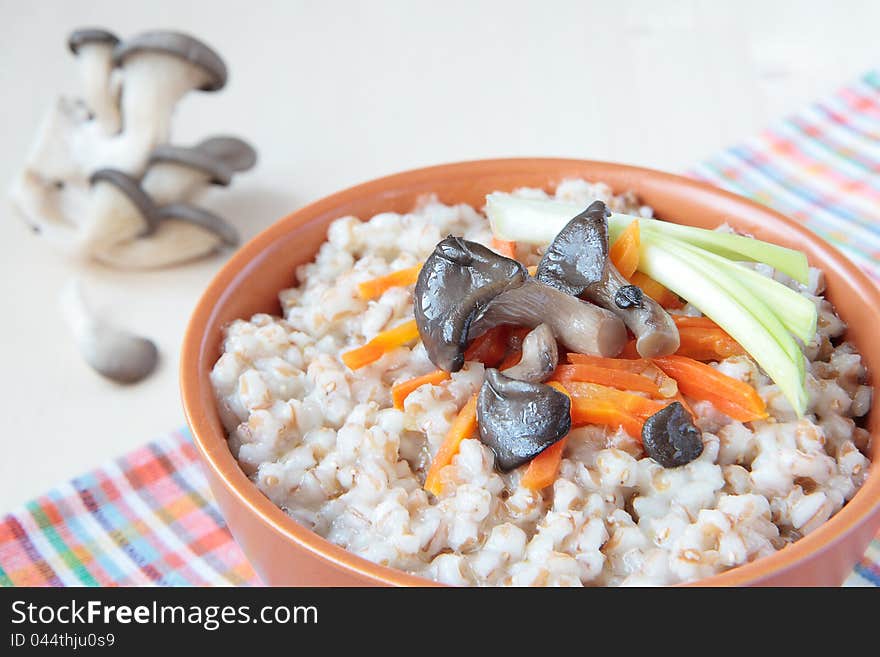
[[148, 518]]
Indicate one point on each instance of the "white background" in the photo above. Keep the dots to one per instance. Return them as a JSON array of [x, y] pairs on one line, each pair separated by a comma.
[[334, 93]]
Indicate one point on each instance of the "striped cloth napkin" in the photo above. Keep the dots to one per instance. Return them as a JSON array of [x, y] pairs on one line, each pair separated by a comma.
[[148, 518]]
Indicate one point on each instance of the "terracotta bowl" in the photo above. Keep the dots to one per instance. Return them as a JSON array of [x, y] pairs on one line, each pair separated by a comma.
[[285, 553]]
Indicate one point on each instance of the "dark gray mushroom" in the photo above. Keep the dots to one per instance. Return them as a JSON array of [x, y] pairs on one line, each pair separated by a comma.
[[93, 48], [670, 437], [456, 283], [577, 256], [540, 355], [110, 351], [519, 420], [578, 325], [572, 264]]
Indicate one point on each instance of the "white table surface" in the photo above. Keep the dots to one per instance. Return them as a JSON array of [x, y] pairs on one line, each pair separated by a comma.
[[335, 93]]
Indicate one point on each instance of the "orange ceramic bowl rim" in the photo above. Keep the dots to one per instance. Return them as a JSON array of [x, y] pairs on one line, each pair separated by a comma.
[[215, 455]]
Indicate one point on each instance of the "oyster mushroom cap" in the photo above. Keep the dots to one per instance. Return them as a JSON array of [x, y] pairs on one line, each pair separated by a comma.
[[179, 46], [209, 167], [671, 438], [115, 354], [118, 210], [578, 325], [577, 262], [518, 420], [235, 153], [457, 281], [180, 173], [90, 35], [540, 354], [577, 256], [196, 216]]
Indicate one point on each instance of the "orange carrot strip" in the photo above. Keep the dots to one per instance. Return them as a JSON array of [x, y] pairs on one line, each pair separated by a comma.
[[606, 376], [381, 345], [588, 411], [636, 366], [532, 270], [641, 407], [642, 366], [624, 252], [629, 351], [400, 391], [656, 291], [686, 321], [504, 247], [463, 426], [375, 287], [735, 398], [544, 468], [490, 347], [707, 344]]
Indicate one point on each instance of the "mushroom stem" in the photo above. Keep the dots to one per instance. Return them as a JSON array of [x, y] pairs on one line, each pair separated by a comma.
[[113, 353], [95, 63], [540, 355], [577, 262], [656, 333], [158, 69], [93, 48], [578, 325]]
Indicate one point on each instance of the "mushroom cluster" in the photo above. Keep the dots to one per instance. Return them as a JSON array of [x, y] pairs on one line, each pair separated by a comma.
[[102, 180], [576, 298]]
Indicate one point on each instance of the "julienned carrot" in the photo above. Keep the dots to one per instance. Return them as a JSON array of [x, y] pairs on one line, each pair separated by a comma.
[[731, 396], [504, 247], [656, 291], [490, 347], [628, 403], [375, 287], [607, 376], [686, 321], [629, 351], [641, 366], [381, 344], [544, 468], [588, 411], [463, 426], [624, 252], [703, 339], [707, 344], [400, 391]]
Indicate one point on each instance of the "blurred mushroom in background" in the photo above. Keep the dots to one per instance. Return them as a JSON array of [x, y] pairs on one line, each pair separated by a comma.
[[103, 181], [122, 123]]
